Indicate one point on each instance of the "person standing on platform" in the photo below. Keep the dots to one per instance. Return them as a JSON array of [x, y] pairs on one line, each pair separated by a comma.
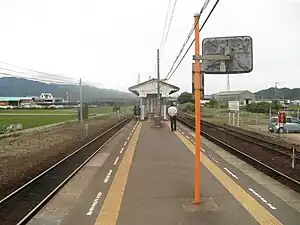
[[172, 111], [136, 112]]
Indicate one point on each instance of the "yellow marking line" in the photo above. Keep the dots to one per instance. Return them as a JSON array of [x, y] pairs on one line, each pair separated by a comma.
[[111, 206], [261, 215]]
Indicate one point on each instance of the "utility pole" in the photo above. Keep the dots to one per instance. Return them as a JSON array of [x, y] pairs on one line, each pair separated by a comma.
[[275, 90], [157, 119], [139, 79], [80, 93], [158, 87], [197, 109], [228, 83]]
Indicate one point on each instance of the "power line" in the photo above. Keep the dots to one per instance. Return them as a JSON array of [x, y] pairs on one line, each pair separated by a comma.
[[211, 11], [178, 55], [48, 81], [40, 76], [171, 18], [165, 26], [188, 37], [30, 70]]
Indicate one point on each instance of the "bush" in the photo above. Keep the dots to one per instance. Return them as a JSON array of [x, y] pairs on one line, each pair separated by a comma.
[[263, 107], [187, 107]]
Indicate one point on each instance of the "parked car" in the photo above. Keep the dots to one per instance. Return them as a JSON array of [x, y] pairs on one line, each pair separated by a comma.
[[292, 125]]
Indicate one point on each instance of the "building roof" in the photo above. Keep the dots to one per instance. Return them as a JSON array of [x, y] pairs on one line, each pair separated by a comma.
[[153, 80], [223, 93], [14, 99], [208, 97]]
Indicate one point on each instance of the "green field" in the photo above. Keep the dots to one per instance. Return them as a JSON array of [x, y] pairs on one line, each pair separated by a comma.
[[34, 121], [30, 118], [92, 111]]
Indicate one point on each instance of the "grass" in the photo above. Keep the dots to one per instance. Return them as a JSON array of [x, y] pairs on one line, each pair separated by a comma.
[[220, 116], [30, 118], [34, 121], [38, 111], [92, 111]]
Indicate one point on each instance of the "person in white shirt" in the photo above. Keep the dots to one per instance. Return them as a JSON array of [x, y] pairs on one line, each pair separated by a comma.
[[172, 111]]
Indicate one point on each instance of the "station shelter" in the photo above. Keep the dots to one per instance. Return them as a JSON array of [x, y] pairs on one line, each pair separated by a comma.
[[147, 92]]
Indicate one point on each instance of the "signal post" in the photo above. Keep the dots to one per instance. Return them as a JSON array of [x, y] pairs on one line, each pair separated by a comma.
[[197, 110], [218, 57]]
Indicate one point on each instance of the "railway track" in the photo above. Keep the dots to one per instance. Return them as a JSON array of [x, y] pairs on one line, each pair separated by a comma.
[[22, 204], [269, 142], [253, 137], [271, 158]]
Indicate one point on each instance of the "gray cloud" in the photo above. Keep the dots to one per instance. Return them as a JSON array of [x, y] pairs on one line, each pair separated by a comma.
[[110, 42]]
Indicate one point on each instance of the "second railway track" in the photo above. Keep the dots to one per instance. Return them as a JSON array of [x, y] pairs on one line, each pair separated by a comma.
[[272, 158], [19, 207]]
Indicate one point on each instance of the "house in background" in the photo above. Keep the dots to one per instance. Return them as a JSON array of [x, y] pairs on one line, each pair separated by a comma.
[[243, 96]]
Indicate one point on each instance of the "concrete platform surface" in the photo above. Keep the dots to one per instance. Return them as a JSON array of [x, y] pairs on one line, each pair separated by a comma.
[[275, 197], [159, 189], [145, 176]]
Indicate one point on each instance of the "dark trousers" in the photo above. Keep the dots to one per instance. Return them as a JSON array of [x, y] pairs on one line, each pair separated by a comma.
[[173, 122]]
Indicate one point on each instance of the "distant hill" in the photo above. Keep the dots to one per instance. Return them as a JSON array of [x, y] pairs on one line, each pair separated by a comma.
[[16, 87], [282, 93]]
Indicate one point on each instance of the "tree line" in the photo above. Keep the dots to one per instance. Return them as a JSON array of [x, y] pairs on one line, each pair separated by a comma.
[[187, 102]]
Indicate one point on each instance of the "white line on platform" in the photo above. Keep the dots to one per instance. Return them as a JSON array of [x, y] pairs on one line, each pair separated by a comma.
[[107, 176], [125, 143], [95, 202], [116, 161], [231, 173], [214, 160], [262, 199], [122, 149]]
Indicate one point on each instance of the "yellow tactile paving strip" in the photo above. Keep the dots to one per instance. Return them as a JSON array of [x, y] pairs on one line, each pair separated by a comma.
[[111, 206], [260, 214]]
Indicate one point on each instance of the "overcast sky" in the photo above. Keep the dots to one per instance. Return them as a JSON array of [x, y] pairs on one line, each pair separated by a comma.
[[110, 42]]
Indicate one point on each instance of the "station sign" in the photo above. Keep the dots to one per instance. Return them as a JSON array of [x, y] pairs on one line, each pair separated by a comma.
[[227, 55], [234, 106], [142, 94]]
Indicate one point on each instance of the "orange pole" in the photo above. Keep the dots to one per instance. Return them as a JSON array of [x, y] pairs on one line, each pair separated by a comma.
[[197, 111]]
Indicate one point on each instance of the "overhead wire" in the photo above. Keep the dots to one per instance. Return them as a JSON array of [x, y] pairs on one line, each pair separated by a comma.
[[188, 37], [34, 71], [165, 25], [39, 79], [164, 37], [40, 76], [169, 75], [171, 18], [205, 4]]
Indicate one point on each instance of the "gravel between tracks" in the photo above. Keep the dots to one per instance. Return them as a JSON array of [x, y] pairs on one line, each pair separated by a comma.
[[276, 160], [25, 156]]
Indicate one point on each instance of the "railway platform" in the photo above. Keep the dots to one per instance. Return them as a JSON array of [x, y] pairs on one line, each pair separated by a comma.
[[145, 175]]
